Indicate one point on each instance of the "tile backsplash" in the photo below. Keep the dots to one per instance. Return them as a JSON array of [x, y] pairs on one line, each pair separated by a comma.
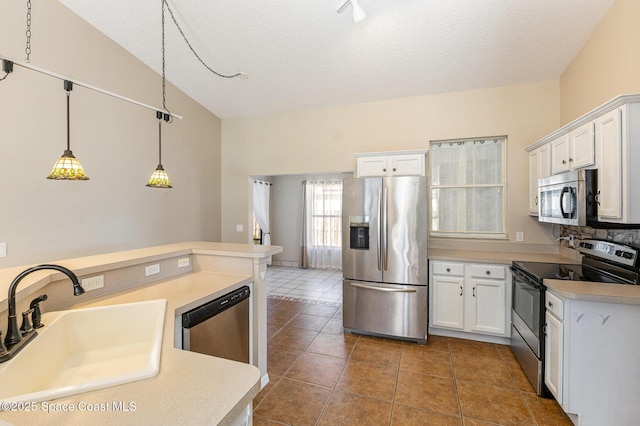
[[623, 236]]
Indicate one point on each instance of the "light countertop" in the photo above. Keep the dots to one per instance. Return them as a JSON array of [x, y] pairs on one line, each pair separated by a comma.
[[595, 292], [496, 257], [110, 261], [190, 388]]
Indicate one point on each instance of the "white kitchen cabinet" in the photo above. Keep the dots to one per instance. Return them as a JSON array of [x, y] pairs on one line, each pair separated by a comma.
[[553, 354], [539, 167], [573, 150], [608, 139], [617, 150], [591, 362], [390, 164], [448, 301], [470, 298]]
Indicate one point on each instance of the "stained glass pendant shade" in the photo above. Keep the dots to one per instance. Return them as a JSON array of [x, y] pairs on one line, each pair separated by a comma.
[[68, 167]]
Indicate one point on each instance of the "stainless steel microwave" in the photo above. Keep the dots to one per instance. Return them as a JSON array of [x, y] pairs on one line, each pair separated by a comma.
[[568, 198]]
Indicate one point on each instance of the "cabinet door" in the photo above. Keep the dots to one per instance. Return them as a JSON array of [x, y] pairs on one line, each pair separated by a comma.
[[372, 166], [544, 161], [534, 175], [488, 306], [582, 151], [609, 160], [406, 165], [447, 304], [554, 354], [560, 154]]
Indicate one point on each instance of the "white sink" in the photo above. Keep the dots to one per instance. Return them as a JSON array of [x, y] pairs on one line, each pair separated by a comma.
[[86, 349]]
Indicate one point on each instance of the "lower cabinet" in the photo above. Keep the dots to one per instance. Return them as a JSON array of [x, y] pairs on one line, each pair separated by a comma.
[[470, 297], [591, 359], [553, 354]]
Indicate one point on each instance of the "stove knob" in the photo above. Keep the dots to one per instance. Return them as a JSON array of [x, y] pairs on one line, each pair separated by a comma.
[[627, 255], [586, 245], [619, 253]]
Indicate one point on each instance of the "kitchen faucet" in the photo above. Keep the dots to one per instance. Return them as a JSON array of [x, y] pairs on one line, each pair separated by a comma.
[[14, 339]]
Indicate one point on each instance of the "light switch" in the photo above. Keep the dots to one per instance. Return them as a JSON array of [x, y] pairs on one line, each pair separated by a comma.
[[239, 227]]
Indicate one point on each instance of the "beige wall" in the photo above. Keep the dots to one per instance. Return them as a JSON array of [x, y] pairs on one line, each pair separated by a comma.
[[324, 141], [607, 65], [116, 142]]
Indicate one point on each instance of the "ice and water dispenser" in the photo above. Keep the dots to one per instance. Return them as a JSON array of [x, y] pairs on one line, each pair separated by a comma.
[[359, 232]]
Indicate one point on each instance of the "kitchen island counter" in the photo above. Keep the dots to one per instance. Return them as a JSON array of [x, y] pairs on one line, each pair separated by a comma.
[[190, 388]]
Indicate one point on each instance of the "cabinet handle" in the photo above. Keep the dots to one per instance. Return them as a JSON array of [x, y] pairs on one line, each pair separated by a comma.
[[488, 272], [564, 161], [474, 291], [460, 290], [448, 269], [544, 329], [550, 304], [384, 170], [570, 160], [394, 169], [536, 200], [597, 197]]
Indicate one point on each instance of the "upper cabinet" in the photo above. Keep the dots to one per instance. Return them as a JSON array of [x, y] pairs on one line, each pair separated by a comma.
[[539, 167], [403, 163], [573, 150], [608, 139]]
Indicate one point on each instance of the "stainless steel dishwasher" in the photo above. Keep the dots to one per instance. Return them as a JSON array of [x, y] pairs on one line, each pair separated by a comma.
[[220, 327]]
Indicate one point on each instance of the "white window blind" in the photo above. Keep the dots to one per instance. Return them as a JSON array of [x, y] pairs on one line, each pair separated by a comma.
[[468, 192]]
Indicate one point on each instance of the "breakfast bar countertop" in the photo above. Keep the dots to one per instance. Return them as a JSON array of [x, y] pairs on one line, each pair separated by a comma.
[[190, 388]]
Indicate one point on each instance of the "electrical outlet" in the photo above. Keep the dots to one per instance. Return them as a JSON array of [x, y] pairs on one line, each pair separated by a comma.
[[93, 283], [239, 227], [520, 236], [183, 263], [152, 269]]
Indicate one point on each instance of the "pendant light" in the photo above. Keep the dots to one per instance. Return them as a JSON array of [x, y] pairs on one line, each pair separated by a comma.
[[68, 167], [159, 177]]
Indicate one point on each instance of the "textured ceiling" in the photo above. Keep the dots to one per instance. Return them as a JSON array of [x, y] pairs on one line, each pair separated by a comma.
[[302, 54]]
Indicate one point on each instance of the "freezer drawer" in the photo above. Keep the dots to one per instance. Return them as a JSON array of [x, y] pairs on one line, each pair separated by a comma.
[[392, 310]]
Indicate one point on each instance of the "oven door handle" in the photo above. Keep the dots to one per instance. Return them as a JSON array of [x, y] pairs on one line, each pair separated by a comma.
[[526, 280]]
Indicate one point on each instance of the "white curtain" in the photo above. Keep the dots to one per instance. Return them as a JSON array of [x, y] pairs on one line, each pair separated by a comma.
[[261, 193], [322, 225]]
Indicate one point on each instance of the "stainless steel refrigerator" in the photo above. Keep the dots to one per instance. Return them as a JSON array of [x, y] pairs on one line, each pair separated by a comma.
[[384, 256]]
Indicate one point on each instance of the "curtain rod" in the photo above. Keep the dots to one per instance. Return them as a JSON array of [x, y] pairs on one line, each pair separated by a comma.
[[88, 86]]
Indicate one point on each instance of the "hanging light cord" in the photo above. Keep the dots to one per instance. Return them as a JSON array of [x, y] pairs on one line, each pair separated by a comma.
[[164, 2], [68, 123], [27, 48]]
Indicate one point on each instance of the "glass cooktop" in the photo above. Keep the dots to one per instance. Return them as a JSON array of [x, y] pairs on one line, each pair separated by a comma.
[[556, 271]]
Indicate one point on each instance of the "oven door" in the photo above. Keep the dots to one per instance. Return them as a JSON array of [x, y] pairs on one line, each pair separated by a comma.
[[527, 301]]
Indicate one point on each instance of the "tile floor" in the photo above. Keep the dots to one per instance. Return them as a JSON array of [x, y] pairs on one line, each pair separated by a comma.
[[322, 376], [323, 286]]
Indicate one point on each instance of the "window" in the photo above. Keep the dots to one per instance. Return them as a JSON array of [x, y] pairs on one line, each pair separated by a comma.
[[322, 228], [468, 191]]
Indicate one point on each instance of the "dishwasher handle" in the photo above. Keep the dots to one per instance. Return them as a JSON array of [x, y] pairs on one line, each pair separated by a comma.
[[214, 307]]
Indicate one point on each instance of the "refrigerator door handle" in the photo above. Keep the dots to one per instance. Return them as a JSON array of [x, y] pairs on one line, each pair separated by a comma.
[[379, 228], [385, 228], [386, 289]]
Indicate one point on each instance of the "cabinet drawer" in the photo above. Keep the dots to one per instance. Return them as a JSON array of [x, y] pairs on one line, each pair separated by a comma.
[[554, 304], [445, 268], [488, 271]]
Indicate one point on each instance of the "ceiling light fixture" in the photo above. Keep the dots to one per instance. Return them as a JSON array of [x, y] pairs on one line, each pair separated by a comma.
[[68, 167], [159, 178], [358, 12]]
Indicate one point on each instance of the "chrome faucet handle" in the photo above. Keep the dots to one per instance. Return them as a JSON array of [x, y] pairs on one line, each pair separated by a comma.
[[26, 326]]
